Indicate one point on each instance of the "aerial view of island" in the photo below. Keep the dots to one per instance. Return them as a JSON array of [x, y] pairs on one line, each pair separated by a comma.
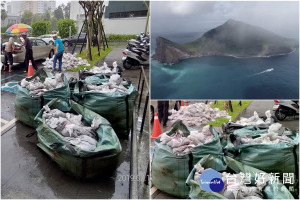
[[219, 50]]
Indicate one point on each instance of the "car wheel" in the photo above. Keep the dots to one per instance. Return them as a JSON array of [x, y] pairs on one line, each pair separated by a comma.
[[279, 115], [51, 54], [66, 43], [51, 42]]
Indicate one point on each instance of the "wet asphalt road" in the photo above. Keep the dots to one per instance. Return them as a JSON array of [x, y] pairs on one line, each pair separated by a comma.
[[27, 172]]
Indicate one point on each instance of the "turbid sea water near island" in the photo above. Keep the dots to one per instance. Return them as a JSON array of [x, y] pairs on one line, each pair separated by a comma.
[[221, 77]]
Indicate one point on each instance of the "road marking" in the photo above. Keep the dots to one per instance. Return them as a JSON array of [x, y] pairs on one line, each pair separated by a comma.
[[4, 121], [8, 124], [12, 76], [153, 190]]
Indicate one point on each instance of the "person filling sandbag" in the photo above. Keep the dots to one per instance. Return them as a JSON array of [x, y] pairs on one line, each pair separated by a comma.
[[69, 61], [197, 114], [37, 88], [276, 133], [72, 128], [255, 120], [237, 186], [115, 84], [183, 145]]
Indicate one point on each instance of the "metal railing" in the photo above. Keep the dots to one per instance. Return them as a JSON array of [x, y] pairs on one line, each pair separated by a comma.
[[141, 84]]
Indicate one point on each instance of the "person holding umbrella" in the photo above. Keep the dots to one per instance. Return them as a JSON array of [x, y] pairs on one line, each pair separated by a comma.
[[29, 52], [58, 51]]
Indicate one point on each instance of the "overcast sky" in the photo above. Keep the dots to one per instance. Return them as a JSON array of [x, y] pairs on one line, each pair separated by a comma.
[[190, 16]]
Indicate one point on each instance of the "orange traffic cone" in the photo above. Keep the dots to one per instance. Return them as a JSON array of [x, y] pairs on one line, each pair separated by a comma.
[[182, 103], [30, 69], [156, 127]]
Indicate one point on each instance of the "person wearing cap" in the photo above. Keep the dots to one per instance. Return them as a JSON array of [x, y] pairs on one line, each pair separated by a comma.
[[8, 57], [58, 51], [29, 52]]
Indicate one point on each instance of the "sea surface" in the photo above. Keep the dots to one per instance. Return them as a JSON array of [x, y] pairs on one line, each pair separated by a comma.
[[221, 77]]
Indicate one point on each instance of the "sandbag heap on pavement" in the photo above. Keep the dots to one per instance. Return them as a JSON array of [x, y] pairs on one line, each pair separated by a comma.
[[276, 133], [182, 145], [105, 69], [256, 120], [240, 188], [69, 61], [197, 114], [115, 84], [72, 128], [37, 88]]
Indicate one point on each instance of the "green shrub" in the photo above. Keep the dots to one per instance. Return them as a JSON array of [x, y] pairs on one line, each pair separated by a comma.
[[40, 28], [63, 27], [119, 37], [95, 58]]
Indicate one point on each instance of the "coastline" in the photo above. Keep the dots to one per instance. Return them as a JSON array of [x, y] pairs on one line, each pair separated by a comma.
[[229, 55]]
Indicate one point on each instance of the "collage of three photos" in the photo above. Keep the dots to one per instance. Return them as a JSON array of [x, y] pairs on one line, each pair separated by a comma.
[[149, 99]]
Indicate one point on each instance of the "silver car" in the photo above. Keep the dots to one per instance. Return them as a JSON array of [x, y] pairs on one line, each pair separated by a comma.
[[48, 38], [41, 50]]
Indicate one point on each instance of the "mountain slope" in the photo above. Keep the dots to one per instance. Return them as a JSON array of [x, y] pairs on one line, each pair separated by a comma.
[[233, 38]]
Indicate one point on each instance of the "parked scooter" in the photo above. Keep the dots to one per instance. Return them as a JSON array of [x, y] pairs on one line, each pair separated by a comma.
[[285, 108], [134, 57], [137, 52]]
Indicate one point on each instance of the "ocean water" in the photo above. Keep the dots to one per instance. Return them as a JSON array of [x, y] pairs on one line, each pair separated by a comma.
[[220, 77]]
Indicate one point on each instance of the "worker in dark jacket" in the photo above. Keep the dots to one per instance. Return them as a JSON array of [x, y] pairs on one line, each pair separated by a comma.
[[29, 53], [163, 112]]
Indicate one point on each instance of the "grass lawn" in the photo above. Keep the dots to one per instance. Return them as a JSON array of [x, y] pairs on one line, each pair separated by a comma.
[[237, 109], [95, 58]]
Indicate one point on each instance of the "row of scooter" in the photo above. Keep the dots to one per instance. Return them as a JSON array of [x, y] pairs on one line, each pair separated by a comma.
[[137, 52]]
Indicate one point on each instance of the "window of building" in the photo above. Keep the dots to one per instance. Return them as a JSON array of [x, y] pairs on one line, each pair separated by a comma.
[[142, 13]]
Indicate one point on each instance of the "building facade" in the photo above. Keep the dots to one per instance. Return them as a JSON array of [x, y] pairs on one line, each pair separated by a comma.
[[39, 7], [10, 20], [120, 17]]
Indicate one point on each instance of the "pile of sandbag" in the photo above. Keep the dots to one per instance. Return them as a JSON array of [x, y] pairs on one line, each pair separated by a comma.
[[197, 114], [276, 133], [255, 120], [183, 145], [115, 84], [239, 188], [69, 61], [36, 87], [72, 128], [105, 69]]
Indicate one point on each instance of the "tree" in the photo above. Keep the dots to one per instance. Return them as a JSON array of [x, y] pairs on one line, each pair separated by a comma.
[[53, 24], [89, 8], [36, 17], [63, 27], [46, 16], [67, 10], [27, 17], [99, 14], [40, 28], [58, 13], [3, 15]]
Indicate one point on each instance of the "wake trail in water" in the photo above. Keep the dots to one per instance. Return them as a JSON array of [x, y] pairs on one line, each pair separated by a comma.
[[263, 72]]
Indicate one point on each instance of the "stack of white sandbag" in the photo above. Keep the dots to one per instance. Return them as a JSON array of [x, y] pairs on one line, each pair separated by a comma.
[[69, 61], [71, 127], [115, 84], [182, 145], [37, 88], [255, 120], [105, 69], [197, 114], [276, 133], [236, 186]]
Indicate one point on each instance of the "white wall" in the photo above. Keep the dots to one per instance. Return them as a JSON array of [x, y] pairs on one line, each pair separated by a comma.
[[125, 25]]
